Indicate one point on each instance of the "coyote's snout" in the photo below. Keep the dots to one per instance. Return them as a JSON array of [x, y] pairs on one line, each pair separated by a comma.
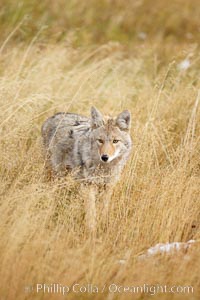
[[96, 148]]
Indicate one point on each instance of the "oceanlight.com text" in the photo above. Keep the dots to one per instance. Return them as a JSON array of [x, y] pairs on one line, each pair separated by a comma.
[[57, 288]]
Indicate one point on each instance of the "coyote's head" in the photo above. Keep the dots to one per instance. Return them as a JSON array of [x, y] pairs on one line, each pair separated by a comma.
[[111, 135]]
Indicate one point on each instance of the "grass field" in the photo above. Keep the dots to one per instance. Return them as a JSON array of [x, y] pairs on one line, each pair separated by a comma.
[[42, 232]]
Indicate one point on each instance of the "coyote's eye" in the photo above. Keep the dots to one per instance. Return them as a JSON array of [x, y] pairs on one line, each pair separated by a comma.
[[115, 141], [100, 141]]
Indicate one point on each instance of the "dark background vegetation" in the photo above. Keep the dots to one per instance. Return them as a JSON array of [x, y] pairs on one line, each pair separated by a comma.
[[94, 22]]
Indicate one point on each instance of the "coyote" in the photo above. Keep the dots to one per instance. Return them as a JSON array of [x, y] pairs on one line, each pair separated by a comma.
[[94, 149]]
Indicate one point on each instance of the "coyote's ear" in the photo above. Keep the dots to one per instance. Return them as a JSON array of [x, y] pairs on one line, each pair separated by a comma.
[[123, 120], [96, 118]]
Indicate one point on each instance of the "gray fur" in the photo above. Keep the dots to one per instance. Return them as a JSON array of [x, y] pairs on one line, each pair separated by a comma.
[[71, 143]]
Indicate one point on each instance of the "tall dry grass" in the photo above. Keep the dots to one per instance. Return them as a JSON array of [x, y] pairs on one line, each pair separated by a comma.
[[42, 223]]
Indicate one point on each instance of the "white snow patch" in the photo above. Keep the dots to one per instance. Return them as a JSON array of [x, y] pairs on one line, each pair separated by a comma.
[[122, 261], [167, 248], [142, 35], [184, 65]]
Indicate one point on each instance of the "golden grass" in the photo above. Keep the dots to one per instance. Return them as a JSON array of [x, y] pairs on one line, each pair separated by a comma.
[[42, 223], [93, 21]]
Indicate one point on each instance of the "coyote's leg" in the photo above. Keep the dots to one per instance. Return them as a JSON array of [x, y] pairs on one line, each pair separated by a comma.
[[47, 166], [90, 208], [106, 197], [57, 162]]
